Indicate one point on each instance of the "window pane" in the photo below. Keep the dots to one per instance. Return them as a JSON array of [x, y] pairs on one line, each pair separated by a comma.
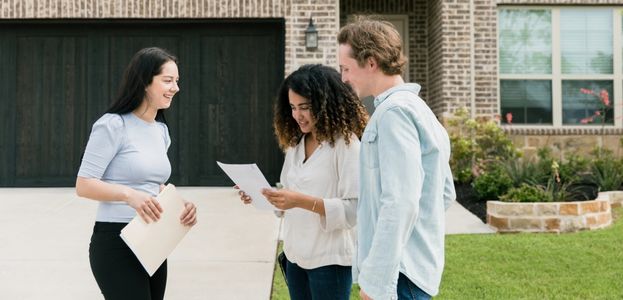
[[529, 101], [525, 41], [586, 41], [579, 107]]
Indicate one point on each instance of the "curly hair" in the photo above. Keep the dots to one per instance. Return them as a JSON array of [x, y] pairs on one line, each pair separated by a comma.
[[334, 106], [371, 37]]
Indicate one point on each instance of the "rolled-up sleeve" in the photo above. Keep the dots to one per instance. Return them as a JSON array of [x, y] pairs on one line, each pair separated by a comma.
[[341, 212], [104, 143]]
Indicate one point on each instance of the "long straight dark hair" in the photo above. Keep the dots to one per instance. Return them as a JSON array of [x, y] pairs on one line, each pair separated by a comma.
[[145, 64]]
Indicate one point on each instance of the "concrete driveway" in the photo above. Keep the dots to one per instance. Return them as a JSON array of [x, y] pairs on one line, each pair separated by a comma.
[[45, 232]]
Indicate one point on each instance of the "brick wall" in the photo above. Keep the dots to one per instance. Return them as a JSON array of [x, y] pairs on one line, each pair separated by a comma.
[[435, 56], [456, 59], [485, 58], [452, 29], [295, 12]]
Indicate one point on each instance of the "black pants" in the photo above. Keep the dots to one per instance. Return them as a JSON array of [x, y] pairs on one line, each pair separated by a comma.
[[117, 271]]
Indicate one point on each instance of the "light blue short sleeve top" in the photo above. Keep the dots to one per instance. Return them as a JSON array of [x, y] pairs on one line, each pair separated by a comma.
[[124, 149]]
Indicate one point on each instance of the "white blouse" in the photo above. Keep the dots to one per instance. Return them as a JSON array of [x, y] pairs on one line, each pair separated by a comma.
[[330, 173]]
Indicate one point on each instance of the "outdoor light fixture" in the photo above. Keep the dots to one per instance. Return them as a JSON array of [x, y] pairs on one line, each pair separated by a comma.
[[311, 36]]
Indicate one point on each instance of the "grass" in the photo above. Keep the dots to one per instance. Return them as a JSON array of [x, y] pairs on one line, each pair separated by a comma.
[[583, 265]]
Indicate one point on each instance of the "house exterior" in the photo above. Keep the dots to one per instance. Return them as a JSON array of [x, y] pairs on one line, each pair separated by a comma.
[[61, 61]]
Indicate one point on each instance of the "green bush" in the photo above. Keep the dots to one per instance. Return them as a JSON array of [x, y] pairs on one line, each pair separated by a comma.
[[527, 193], [492, 184], [606, 170], [608, 177], [574, 169], [476, 143], [545, 161], [526, 171]]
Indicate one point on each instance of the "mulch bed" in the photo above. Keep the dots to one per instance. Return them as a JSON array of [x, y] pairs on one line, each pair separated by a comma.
[[467, 198]]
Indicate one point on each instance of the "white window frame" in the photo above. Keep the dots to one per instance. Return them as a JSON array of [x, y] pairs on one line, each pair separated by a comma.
[[556, 77]]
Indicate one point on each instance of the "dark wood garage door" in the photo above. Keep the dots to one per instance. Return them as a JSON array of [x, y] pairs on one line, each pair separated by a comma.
[[56, 79]]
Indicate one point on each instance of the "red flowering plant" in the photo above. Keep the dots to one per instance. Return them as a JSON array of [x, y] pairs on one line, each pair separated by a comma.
[[606, 168], [600, 115]]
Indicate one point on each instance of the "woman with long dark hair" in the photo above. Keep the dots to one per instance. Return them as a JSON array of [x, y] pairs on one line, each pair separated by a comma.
[[318, 121], [124, 166]]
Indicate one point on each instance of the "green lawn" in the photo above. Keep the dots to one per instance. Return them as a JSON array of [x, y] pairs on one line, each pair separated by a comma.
[[583, 265]]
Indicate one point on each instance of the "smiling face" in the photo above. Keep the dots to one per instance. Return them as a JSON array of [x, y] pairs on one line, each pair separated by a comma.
[[353, 74], [159, 93], [301, 112]]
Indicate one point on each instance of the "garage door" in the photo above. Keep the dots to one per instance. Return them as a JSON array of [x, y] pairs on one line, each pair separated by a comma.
[[58, 78]]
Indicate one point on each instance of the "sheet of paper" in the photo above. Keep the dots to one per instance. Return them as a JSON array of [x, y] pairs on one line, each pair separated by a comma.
[[152, 243], [251, 180]]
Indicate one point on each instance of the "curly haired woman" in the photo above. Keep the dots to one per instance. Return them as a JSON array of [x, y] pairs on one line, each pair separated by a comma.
[[318, 121]]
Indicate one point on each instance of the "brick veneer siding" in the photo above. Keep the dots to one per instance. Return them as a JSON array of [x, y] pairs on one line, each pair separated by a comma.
[[451, 55], [455, 60], [418, 48], [295, 12], [485, 47], [435, 57]]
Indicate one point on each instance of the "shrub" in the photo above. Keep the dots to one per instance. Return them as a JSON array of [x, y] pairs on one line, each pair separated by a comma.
[[574, 169], [554, 190], [476, 143], [492, 184], [527, 193], [526, 171], [606, 170]]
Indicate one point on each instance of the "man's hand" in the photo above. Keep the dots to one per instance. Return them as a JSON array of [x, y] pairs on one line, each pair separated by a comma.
[[363, 295]]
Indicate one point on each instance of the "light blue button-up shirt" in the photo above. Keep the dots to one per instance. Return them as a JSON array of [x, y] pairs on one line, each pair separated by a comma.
[[405, 187]]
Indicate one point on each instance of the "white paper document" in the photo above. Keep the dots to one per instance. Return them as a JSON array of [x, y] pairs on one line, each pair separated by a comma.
[[152, 243], [249, 179]]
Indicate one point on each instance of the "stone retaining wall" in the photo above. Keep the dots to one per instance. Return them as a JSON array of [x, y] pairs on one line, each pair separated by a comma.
[[615, 197], [553, 217]]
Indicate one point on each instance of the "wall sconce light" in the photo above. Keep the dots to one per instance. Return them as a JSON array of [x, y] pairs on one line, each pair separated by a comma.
[[311, 36]]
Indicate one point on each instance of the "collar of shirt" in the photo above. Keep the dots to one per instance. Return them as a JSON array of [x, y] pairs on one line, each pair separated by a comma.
[[410, 87]]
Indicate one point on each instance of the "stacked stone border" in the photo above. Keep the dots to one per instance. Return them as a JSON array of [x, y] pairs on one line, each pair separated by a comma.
[[553, 217], [615, 197]]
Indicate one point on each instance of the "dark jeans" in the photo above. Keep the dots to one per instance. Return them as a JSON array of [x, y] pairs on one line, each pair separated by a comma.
[[407, 290], [323, 283], [117, 271]]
